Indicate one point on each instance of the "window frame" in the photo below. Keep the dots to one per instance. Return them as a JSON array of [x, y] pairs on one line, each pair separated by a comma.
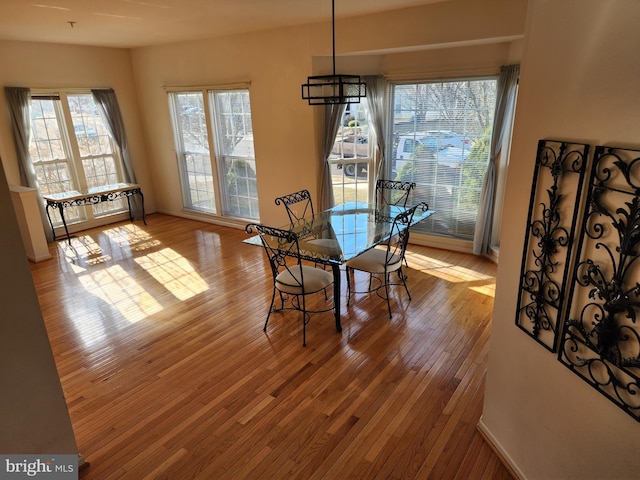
[[75, 158], [181, 153], [458, 241], [340, 162], [216, 157], [237, 158]]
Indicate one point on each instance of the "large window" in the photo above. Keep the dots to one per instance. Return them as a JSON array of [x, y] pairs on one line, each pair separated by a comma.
[[214, 142], [71, 150], [441, 135], [351, 158]]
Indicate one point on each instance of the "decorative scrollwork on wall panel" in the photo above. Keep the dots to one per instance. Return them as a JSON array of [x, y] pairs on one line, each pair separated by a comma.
[[553, 211], [601, 339]]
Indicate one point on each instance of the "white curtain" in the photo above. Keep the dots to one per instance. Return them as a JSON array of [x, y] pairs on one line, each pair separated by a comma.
[[375, 96], [109, 110], [331, 122], [19, 103], [505, 102]]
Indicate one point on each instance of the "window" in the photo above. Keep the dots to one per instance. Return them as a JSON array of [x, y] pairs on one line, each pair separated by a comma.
[[351, 158], [441, 136], [192, 147], [71, 149], [222, 183], [234, 150]]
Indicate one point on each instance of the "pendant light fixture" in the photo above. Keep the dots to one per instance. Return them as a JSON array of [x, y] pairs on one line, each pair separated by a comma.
[[333, 89]]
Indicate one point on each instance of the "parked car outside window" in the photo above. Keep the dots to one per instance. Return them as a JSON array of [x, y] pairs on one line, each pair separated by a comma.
[[448, 138]]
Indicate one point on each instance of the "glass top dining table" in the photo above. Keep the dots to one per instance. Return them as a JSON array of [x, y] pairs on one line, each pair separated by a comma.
[[337, 235]]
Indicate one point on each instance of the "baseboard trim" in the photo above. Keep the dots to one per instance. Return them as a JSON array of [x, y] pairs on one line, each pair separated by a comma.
[[38, 258], [206, 218], [445, 243], [504, 458], [82, 462]]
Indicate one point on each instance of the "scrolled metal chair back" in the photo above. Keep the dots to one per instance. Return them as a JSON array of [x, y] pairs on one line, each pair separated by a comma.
[[280, 245], [298, 205], [393, 193], [399, 239]]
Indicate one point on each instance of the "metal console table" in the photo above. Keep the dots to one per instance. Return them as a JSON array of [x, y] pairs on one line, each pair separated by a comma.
[[94, 195]]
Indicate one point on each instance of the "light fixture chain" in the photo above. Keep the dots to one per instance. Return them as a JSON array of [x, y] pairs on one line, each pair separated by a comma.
[[333, 34]]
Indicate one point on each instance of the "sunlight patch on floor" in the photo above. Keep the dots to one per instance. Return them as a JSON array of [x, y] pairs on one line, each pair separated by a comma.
[[83, 251], [131, 236], [424, 263], [174, 272], [489, 289], [90, 328], [117, 289], [452, 273], [444, 270]]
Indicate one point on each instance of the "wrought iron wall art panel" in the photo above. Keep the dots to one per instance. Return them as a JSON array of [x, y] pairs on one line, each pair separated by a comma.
[[601, 339], [553, 211]]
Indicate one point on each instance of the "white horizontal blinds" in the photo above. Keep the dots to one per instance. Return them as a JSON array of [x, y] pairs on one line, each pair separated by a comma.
[[207, 88], [441, 133]]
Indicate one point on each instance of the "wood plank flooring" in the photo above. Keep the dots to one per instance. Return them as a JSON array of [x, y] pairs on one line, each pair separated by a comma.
[[157, 335]]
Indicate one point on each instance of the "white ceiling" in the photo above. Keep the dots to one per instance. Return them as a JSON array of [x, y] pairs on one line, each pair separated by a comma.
[[137, 23]]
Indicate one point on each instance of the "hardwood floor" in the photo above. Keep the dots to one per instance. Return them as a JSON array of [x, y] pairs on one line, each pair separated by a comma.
[[157, 335]]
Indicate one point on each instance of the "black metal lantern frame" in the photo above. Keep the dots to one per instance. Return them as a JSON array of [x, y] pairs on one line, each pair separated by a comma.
[[333, 89]]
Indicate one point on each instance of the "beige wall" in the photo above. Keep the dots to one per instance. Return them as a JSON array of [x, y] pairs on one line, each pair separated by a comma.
[[276, 63], [286, 129], [37, 65], [580, 81], [33, 412], [455, 38]]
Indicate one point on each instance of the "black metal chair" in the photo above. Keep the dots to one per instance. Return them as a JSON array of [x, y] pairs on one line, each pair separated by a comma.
[[299, 208], [291, 279], [382, 261], [298, 205], [393, 192]]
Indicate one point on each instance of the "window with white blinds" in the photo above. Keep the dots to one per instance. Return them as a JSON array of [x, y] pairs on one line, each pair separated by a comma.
[[441, 133]]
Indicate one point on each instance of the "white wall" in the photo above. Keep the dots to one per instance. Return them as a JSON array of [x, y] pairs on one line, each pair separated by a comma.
[[580, 81]]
